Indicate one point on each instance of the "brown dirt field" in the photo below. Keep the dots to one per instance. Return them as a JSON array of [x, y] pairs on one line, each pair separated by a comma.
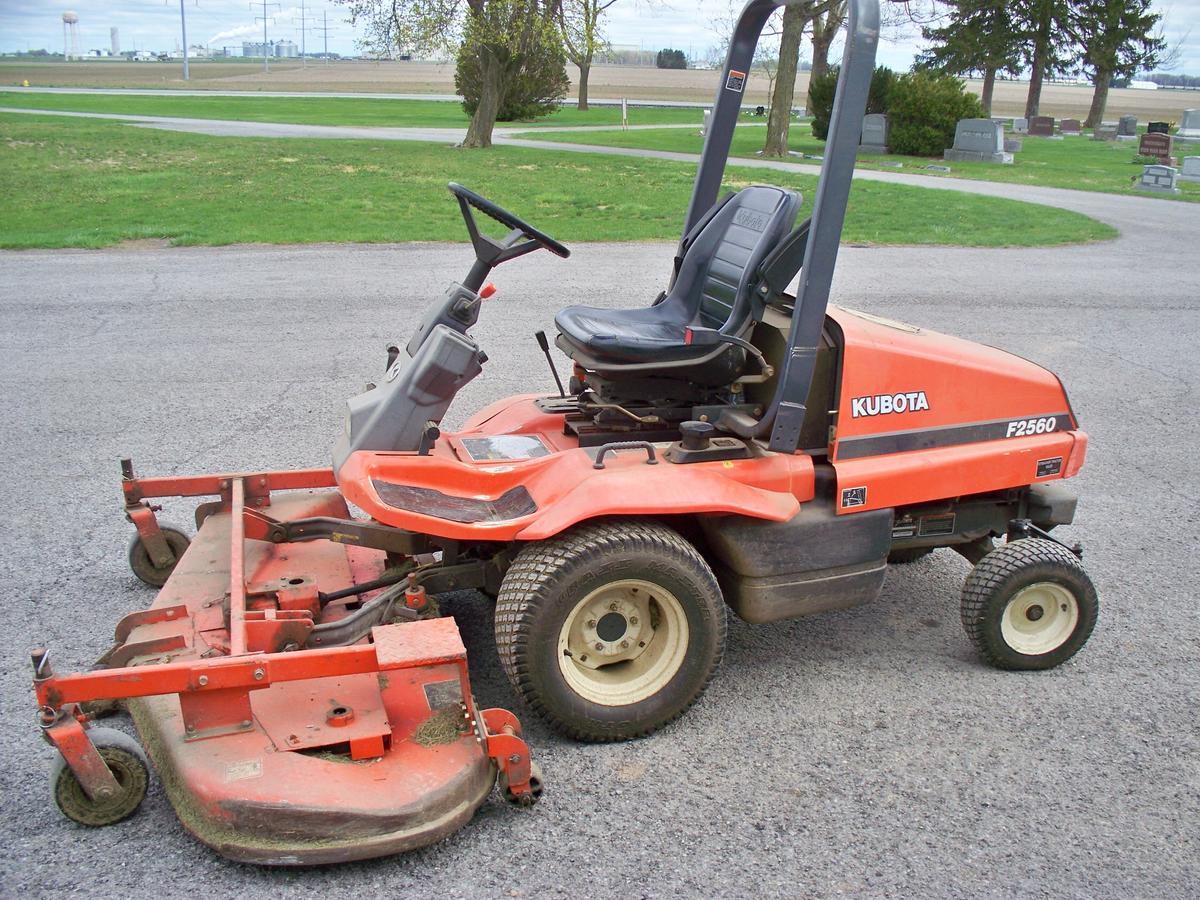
[[1059, 100]]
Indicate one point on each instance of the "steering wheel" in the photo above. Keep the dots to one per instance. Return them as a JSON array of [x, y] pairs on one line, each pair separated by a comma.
[[468, 198]]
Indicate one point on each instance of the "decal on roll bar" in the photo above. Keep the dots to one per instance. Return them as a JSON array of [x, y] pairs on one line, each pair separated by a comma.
[[735, 81]]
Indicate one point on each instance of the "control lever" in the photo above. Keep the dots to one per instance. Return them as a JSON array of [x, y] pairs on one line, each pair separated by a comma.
[[545, 345]]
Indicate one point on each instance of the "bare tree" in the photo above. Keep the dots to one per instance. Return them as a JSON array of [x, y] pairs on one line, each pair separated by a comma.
[[824, 28], [579, 21]]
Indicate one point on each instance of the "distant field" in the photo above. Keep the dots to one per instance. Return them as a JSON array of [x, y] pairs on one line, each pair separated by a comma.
[[1058, 100], [325, 110], [1079, 163], [88, 183]]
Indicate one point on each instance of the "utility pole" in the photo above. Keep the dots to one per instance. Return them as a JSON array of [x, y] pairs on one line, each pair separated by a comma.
[[183, 28], [264, 18], [303, 20], [325, 29]]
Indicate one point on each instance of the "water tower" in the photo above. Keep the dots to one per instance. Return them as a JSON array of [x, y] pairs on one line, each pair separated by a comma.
[[70, 35]]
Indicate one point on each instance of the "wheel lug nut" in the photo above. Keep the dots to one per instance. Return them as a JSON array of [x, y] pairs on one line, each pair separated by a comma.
[[614, 606], [624, 645], [591, 623], [633, 620], [599, 646]]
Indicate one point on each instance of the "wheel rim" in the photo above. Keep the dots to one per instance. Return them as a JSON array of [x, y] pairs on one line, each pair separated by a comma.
[[130, 776], [1039, 618], [623, 642]]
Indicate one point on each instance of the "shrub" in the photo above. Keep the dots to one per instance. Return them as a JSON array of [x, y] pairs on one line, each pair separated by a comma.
[[924, 109], [821, 91], [671, 59]]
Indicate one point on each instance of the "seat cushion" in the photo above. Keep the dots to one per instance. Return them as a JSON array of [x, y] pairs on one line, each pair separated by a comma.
[[628, 335]]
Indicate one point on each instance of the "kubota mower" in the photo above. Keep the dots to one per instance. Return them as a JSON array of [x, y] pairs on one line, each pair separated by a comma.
[[733, 445]]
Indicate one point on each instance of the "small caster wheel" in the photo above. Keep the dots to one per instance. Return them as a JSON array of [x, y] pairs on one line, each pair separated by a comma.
[[125, 759], [909, 554], [535, 788], [1029, 605], [144, 568]]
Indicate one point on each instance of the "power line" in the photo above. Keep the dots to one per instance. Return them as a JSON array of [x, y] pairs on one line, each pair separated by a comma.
[[325, 29], [303, 20], [264, 18]]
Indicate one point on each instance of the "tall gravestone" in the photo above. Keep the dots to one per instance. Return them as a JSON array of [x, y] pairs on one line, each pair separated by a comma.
[[875, 133], [1020, 126], [1156, 145], [1070, 126], [1158, 127], [978, 140], [1159, 178], [1041, 126], [1189, 128], [1127, 126], [1191, 169]]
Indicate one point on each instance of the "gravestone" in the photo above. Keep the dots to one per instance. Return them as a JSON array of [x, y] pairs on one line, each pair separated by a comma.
[[1020, 126], [707, 122], [760, 111], [1127, 126], [1157, 145], [978, 140], [1070, 126], [1189, 128], [1158, 128], [875, 133], [1191, 169], [1105, 131], [1012, 145], [1159, 178], [1041, 126]]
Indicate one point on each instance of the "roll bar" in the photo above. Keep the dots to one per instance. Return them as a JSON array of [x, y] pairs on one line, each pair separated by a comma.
[[785, 415]]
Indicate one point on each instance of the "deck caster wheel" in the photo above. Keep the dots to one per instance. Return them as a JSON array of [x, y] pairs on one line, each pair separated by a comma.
[[1029, 605], [536, 787], [907, 555], [144, 568], [125, 759], [612, 630]]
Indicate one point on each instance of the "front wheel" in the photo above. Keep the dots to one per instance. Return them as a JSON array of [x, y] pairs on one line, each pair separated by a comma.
[[129, 766], [1029, 605], [611, 630]]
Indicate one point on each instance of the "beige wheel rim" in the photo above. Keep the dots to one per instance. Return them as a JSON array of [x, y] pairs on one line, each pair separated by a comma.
[[1039, 618], [623, 642]]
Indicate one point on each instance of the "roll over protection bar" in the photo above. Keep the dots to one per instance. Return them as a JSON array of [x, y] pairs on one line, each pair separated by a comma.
[[784, 416]]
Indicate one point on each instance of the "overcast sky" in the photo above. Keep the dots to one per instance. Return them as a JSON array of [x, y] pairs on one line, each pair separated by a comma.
[[154, 25]]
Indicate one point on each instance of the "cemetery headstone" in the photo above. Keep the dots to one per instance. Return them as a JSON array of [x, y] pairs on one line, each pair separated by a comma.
[[1127, 126], [875, 133], [1189, 128], [1020, 126], [978, 140], [1159, 178], [1158, 127], [1191, 169], [1156, 144], [1013, 145], [1105, 131], [1041, 126], [1070, 126]]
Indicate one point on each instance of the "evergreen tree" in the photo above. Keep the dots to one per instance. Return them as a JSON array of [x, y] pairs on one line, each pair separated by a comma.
[[978, 37], [1046, 45], [1117, 39]]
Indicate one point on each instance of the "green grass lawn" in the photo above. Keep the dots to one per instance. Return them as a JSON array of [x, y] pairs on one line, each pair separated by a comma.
[[91, 183], [327, 110], [1073, 162]]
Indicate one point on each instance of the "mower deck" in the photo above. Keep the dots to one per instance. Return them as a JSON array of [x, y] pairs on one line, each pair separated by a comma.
[[278, 755]]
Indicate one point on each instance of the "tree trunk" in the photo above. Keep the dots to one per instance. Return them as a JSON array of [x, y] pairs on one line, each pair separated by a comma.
[[989, 87], [1099, 99], [585, 66], [1037, 73], [491, 91], [822, 38], [785, 83]]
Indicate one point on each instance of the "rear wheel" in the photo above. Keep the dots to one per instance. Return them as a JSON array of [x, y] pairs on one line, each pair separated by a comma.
[[612, 630], [127, 762], [1029, 605]]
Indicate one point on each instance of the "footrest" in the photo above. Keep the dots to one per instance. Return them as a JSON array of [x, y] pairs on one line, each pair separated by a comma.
[[422, 643]]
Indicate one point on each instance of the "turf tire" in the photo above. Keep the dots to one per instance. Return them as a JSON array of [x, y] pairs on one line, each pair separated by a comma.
[[1000, 576], [546, 581]]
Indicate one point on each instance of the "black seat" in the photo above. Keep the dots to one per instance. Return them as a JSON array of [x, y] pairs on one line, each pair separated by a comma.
[[712, 288]]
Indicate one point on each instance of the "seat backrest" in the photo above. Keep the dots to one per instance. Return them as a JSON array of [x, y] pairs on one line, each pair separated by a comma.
[[712, 285]]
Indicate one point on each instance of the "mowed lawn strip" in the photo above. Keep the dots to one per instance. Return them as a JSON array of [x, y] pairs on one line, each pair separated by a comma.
[[82, 183], [1074, 162], [328, 110]]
